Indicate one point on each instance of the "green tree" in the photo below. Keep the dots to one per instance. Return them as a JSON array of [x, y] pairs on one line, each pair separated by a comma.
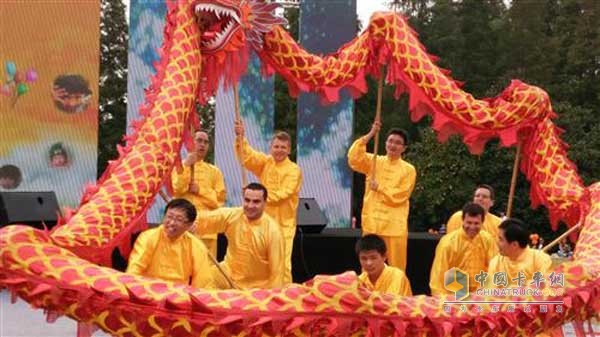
[[113, 80], [286, 106], [486, 44]]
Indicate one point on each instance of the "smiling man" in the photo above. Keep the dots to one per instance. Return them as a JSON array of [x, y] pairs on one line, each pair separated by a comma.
[[515, 257], [254, 257], [469, 249], [387, 192], [282, 178], [484, 197], [170, 252]]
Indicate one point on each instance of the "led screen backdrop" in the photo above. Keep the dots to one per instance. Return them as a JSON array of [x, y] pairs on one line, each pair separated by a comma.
[[324, 132], [49, 57], [257, 112], [146, 24], [147, 19]]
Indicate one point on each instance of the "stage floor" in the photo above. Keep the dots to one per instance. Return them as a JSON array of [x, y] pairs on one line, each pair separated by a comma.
[[332, 252], [21, 320]]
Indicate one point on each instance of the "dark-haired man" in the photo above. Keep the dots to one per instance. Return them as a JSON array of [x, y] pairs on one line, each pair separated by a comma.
[[469, 249], [515, 256], [483, 196], [376, 275], [386, 201], [170, 252], [283, 180], [254, 257]]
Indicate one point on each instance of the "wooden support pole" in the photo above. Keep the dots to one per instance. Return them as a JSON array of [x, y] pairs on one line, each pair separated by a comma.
[[377, 119], [239, 140], [513, 180], [216, 263], [558, 239]]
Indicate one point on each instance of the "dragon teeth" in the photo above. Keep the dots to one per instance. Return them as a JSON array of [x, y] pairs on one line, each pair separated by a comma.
[[219, 11]]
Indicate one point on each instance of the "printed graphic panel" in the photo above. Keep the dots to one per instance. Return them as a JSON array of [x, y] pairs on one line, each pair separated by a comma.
[[256, 110], [49, 58], [324, 132], [146, 24]]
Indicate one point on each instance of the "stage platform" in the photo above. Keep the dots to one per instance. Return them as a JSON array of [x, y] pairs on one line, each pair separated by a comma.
[[332, 252]]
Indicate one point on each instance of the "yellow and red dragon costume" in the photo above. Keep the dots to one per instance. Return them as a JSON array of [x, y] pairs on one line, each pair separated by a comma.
[[61, 271]]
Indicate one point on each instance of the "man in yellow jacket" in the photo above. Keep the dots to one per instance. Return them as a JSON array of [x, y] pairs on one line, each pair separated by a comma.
[[516, 258], [200, 183], [484, 196], [469, 249], [376, 275], [283, 180], [255, 246], [386, 201], [170, 252]]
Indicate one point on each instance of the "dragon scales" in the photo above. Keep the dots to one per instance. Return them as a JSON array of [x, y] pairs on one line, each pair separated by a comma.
[[209, 40]]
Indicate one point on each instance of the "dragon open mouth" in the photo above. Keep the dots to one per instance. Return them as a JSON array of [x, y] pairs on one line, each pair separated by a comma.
[[217, 23]]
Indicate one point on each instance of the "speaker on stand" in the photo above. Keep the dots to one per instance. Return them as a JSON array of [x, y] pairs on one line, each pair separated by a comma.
[[35, 209], [309, 217], [310, 220]]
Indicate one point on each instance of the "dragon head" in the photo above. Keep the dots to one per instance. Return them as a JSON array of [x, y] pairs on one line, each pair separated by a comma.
[[228, 29]]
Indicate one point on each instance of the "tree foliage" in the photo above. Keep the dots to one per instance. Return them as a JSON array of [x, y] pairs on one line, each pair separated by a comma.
[[553, 44], [113, 80]]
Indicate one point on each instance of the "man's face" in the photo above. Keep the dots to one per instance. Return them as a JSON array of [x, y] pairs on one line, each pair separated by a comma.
[[394, 146], [254, 204], [506, 248], [280, 149], [75, 101], [58, 160], [372, 262], [483, 198], [201, 143], [7, 183], [472, 225], [176, 222]]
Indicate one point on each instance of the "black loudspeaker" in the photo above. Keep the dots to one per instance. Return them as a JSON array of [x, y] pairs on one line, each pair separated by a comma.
[[309, 217], [30, 208]]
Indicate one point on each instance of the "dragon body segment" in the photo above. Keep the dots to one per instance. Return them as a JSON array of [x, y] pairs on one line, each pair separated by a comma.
[[58, 271], [110, 211]]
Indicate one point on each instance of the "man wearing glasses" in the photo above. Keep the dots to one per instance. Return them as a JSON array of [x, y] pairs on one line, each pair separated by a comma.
[[387, 192], [169, 252]]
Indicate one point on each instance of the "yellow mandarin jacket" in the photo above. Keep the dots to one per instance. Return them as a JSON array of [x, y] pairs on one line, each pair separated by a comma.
[[180, 260], [211, 185], [385, 211], [529, 262], [254, 257], [490, 223], [391, 281], [457, 250], [282, 180]]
